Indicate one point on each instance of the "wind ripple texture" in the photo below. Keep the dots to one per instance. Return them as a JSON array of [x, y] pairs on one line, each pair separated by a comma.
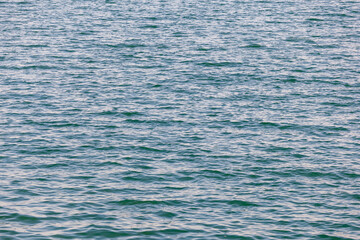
[[183, 119]]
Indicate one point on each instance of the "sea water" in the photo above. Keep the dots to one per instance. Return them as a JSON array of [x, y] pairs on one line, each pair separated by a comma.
[[183, 119]]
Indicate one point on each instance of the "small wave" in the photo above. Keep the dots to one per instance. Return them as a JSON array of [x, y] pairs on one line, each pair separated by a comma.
[[100, 232], [134, 202], [166, 232], [254, 45], [22, 218], [109, 163], [315, 19], [241, 203], [150, 26], [220, 64], [126, 45]]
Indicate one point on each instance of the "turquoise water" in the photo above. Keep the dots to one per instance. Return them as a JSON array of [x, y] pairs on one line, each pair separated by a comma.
[[192, 119]]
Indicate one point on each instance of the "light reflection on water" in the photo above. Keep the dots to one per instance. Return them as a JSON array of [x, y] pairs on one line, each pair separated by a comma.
[[179, 119]]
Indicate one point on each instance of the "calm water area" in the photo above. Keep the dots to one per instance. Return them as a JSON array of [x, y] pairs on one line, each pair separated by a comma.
[[179, 119]]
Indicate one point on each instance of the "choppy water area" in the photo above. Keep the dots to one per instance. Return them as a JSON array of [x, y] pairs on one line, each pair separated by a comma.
[[193, 119]]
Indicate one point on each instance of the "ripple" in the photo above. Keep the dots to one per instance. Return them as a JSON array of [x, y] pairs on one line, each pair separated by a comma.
[[15, 217], [179, 120], [130, 202]]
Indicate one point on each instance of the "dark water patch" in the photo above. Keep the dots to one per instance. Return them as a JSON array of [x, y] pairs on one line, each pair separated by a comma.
[[60, 125], [111, 190], [353, 196], [339, 104], [331, 237], [215, 174], [149, 26], [86, 216], [326, 46], [269, 124], [42, 179], [131, 114], [185, 179], [151, 149], [17, 199], [35, 46], [101, 231], [63, 236], [241, 203], [290, 80], [135, 121], [299, 155], [308, 173], [315, 19], [87, 33], [24, 2], [107, 148], [7, 233], [175, 188], [165, 214], [202, 49], [109, 163], [108, 113], [223, 156], [254, 45], [108, 127], [314, 129], [155, 85], [50, 165], [145, 178], [350, 175], [21, 218], [142, 166], [81, 177], [278, 149], [25, 192]]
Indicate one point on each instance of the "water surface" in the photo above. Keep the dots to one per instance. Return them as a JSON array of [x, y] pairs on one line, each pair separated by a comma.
[[186, 119]]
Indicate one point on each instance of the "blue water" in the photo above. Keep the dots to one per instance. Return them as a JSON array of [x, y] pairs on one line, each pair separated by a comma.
[[182, 119]]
